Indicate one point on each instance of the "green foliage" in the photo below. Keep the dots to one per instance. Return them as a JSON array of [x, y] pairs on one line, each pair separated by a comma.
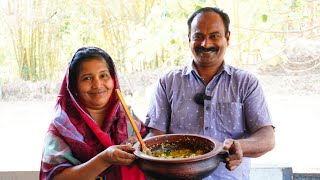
[[264, 18], [138, 34], [296, 4], [65, 28], [197, 7]]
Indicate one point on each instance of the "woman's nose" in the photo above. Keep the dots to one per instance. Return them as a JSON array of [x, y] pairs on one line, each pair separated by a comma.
[[96, 83]]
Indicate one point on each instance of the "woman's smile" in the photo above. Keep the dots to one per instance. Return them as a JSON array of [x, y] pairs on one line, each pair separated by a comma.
[[97, 92]]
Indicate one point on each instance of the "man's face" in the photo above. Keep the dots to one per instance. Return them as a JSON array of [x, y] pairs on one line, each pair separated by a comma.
[[207, 39]]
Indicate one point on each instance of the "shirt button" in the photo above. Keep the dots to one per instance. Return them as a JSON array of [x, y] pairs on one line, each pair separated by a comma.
[[206, 128], [207, 108]]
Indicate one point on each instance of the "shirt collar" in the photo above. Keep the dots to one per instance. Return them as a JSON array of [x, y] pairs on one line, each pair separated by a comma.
[[189, 68]]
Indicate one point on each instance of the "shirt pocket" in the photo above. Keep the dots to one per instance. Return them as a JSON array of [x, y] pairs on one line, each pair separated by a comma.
[[230, 119]]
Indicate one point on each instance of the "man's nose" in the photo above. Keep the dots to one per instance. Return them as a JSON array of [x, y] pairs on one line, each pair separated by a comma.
[[206, 43]]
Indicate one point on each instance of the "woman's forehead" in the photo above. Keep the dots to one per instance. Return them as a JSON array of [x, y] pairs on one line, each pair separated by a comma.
[[93, 62]]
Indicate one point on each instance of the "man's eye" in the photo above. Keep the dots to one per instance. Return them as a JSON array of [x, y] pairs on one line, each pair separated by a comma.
[[215, 36], [196, 37]]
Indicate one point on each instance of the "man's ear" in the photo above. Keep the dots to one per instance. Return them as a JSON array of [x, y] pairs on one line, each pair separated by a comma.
[[228, 37], [189, 38]]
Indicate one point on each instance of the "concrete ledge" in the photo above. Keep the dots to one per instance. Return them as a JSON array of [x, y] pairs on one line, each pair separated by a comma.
[[19, 175], [306, 176], [257, 173], [271, 173]]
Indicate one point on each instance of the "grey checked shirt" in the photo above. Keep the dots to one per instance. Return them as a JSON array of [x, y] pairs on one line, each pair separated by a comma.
[[237, 109]]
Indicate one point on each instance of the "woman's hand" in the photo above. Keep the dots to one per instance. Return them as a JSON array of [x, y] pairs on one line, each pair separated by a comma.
[[118, 154], [234, 159], [130, 140]]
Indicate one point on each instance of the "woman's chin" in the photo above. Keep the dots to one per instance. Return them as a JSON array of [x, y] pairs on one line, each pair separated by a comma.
[[97, 105]]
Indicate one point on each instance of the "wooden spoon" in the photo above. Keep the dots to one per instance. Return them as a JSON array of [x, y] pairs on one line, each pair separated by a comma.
[[133, 124]]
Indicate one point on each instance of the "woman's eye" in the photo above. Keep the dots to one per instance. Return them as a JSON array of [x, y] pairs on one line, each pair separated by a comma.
[[104, 75], [87, 78]]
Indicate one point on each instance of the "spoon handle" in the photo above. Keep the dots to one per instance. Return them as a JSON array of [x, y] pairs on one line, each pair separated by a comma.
[[133, 124]]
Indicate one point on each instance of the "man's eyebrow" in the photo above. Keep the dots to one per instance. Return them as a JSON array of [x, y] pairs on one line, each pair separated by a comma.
[[197, 33], [216, 32]]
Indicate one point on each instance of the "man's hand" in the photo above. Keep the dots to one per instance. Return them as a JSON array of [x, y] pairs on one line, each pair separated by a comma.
[[234, 159]]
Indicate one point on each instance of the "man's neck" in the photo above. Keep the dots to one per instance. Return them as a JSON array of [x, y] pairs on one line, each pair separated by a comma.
[[207, 73]]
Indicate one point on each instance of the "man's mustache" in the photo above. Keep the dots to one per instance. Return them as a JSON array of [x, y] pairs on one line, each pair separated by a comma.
[[202, 49]]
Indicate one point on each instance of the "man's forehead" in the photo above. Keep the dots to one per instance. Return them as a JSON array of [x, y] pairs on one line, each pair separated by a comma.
[[207, 20], [206, 15]]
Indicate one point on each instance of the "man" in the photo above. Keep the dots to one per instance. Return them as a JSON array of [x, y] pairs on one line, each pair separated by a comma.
[[210, 98]]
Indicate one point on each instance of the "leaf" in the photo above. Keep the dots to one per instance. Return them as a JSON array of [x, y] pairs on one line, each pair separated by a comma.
[[264, 18], [198, 7]]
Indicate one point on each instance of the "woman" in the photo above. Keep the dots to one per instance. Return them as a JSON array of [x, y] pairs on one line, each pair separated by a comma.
[[86, 139]]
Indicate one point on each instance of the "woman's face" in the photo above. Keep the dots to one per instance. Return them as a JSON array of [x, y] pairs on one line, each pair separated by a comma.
[[94, 83]]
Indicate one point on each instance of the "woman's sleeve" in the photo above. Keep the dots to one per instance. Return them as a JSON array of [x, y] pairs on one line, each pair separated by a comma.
[[56, 157]]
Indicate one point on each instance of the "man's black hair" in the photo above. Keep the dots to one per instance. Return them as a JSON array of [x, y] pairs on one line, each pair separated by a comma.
[[223, 15]]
